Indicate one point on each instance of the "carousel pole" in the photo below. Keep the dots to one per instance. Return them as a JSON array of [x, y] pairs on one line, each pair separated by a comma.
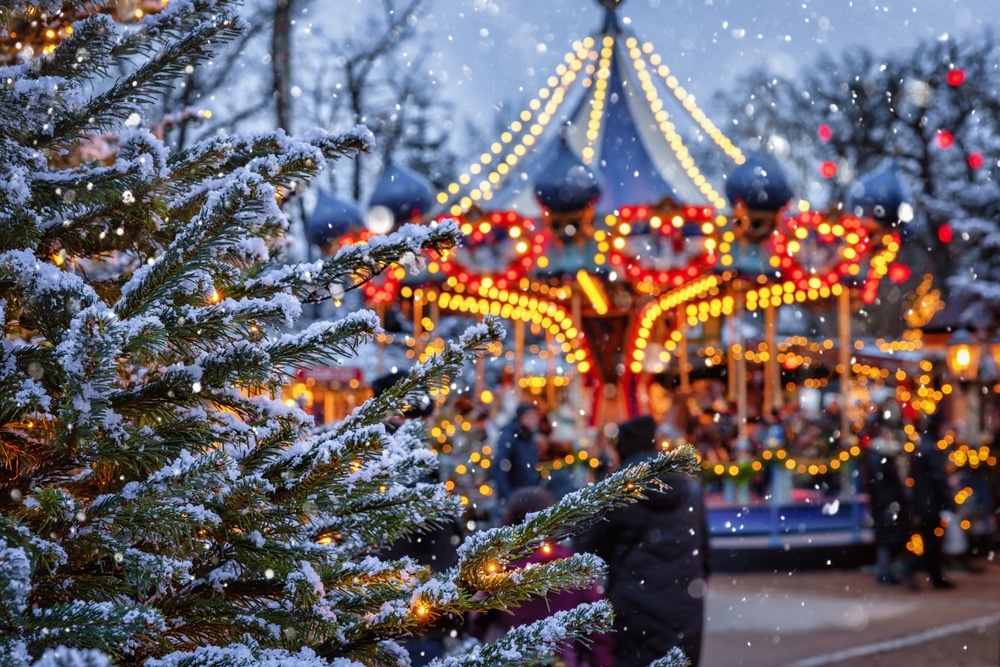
[[844, 363], [772, 373], [380, 341], [435, 312], [418, 323], [550, 384], [738, 491], [480, 367], [579, 388], [731, 371], [739, 351], [518, 355], [682, 357]]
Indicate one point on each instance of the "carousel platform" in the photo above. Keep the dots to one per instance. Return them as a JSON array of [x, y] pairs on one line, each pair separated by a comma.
[[808, 532]]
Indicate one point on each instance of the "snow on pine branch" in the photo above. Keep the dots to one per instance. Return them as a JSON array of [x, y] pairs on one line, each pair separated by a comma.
[[227, 154], [112, 107], [235, 205], [240, 655], [353, 265], [324, 342], [568, 516], [536, 643], [55, 295]]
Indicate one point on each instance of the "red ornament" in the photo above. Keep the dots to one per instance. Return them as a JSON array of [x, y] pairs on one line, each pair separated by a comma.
[[945, 139], [899, 273], [975, 160], [944, 233], [828, 169], [955, 77], [824, 132]]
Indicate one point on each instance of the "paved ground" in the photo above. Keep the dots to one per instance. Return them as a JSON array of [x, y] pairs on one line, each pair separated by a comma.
[[844, 618]]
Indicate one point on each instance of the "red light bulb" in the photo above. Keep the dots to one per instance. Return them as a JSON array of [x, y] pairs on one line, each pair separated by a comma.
[[899, 273], [975, 160], [955, 77], [945, 139], [944, 233], [824, 132], [828, 169]]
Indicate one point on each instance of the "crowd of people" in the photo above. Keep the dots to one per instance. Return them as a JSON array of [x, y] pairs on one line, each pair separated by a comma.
[[657, 550]]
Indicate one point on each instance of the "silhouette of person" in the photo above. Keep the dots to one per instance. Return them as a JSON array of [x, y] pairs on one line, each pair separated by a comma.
[[657, 555], [515, 461], [931, 497]]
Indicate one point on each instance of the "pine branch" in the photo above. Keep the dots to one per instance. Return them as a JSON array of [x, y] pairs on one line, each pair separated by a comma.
[[87, 51], [486, 552], [124, 626], [354, 265], [535, 643], [108, 109], [221, 223], [324, 342]]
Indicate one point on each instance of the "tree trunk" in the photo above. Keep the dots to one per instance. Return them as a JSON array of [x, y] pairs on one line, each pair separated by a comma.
[[281, 65]]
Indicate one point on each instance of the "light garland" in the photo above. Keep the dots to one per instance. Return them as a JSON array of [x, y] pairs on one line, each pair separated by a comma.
[[652, 312], [846, 235], [523, 128], [667, 128], [688, 102], [489, 299]]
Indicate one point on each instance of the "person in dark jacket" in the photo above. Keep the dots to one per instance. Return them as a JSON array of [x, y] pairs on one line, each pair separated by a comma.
[[515, 461], [931, 496], [657, 556], [887, 503]]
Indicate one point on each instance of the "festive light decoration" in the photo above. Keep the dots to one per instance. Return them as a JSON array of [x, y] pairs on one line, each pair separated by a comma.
[[975, 160], [674, 140], [814, 250], [523, 128], [681, 225], [944, 139], [824, 132], [880, 266], [652, 312], [828, 169], [475, 261], [955, 77], [594, 291], [899, 273], [516, 304]]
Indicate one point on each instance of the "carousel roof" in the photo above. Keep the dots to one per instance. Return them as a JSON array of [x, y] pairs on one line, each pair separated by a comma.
[[760, 183], [332, 218], [881, 195], [609, 99]]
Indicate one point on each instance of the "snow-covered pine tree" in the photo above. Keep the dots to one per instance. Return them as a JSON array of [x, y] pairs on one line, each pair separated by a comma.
[[159, 505]]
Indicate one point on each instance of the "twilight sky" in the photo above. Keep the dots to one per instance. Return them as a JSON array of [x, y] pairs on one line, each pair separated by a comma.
[[485, 50]]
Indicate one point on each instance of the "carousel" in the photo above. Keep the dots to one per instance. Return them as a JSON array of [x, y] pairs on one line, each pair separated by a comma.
[[635, 285]]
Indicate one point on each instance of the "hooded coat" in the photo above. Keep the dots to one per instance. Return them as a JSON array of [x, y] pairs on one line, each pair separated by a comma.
[[515, 462], [887, 496], [658, 562]]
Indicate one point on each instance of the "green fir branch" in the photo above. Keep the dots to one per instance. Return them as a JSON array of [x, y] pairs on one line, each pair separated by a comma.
[[114, 629], [220, 224], [110, 108], [535, 643], [570, 515]]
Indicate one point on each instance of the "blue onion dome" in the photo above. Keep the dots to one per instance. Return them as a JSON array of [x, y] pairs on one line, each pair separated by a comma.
[[881, 196], [332, 218], [760, 184], [566, 183], [404, 193]]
